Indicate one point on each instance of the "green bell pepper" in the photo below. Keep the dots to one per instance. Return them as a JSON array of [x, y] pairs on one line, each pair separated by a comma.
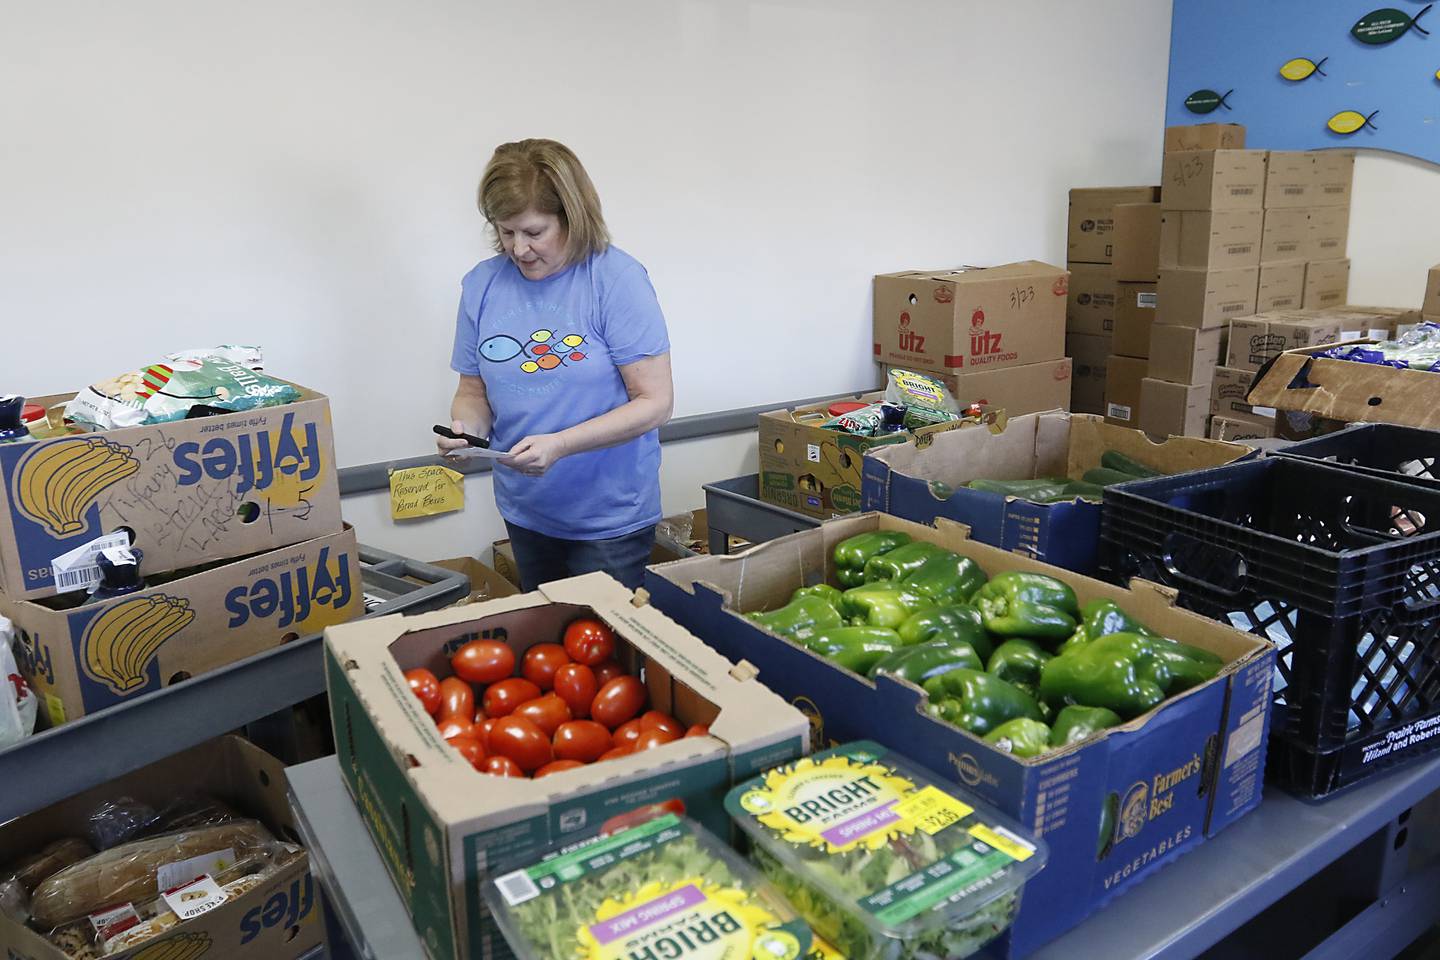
[[1189, 666], [1021, 737], [923, 661], [947, 578], [801, 617], [1102, 617], [1120, 672], [1115, 460], [829, 594], [885, 603], [1018, 661], [977, 701], [1104, 476], [855, 648], [902, 561], [1016, 604], [1075, 723], [955, 623], [851, 555]]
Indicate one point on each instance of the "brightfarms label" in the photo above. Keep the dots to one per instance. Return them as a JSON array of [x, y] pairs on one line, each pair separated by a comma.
[[836, 804], [693, 919]]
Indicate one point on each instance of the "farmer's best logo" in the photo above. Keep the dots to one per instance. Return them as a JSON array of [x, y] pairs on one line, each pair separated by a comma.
[[1146, 801]]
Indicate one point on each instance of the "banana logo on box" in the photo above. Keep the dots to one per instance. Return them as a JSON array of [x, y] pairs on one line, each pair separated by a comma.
[[57, 482], [119, 644], [184, 946]]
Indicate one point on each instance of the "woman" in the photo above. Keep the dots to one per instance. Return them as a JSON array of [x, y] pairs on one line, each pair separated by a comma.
[[564, 362]]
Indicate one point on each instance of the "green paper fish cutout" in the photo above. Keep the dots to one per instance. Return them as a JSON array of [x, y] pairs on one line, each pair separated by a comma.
[[1207, 101], [1302, 68], [1347, 122], [1387, 25]]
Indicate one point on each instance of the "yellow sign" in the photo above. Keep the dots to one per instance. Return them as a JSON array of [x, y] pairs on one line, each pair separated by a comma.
[[425, 492], [1011, 846], [932, 810]]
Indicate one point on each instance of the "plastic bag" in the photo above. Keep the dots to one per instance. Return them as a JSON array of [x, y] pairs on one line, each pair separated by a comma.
[[1417, 350], [124, 819], [18, 703]]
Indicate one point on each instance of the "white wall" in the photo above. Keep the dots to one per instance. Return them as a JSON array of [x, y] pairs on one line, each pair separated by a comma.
[[1394, 229]]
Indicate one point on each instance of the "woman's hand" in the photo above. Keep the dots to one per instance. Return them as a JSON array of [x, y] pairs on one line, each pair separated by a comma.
[[534, 455], [446, 446]]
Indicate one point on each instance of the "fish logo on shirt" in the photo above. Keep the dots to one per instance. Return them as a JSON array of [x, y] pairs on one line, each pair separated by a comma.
[[544, 351]]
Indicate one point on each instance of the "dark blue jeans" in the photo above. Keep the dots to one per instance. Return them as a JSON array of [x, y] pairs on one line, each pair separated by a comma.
[[542, 559]]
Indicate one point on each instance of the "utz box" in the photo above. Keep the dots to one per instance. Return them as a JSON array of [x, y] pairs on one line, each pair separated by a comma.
[[973, 318], [923, 484], [193, 491], [281, 918], [442, 828], [1113, 810], [83, 658]]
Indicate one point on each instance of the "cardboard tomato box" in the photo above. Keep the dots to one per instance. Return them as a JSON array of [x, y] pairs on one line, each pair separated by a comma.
[[923, 484], [442, 828], [281, 919], [192, 491], [84, 657], [1113, 810]]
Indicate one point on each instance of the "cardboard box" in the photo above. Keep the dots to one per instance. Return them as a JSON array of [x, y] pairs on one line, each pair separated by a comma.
[[1282, 286], [1334, 177], [442, 827], [1234, 431], [1205, 136], [1287, 236], [1211, 239], [193, 491], [485, 583], [1327, 283], [1430, 306], [971, 319], [1348, 391], [1137, 242], [1159, 757], [1122, 390], [83, 658], [1183, 354], [1090, 304], [1229, 391], [1016, 390], [1329, 233], [504, 560], [1290, 180], [1213, 180], [1089, 357], [282, 918], [901, 480], [1206, 298], [1254, 340], [1091, 234], [1296, 425], [1173, 409], [1135, 310]]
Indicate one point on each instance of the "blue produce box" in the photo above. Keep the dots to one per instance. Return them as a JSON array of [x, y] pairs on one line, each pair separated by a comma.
[[1113, 809], [922, 483]]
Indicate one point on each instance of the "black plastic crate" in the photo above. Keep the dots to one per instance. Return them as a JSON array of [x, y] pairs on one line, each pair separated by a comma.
[[1378, 449], [1341, 570]]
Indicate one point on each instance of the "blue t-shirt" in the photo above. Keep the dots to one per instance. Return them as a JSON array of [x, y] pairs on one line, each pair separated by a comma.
[[549, 352]]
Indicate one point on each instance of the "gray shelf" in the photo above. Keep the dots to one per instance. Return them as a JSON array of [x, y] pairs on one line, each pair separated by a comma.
[[91, 750], [1177, 914], [733, 508]]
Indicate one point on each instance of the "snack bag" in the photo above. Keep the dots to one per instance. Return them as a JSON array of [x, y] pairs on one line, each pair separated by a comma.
[[18, 703], [872, 421], [921, 396]]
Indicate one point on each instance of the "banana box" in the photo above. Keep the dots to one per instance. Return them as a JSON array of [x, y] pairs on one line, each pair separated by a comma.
[[189, 492], [82, 657]]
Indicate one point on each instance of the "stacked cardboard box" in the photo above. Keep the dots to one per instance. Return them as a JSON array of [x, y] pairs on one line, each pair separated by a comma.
[[1430, 308], [1111, 239]]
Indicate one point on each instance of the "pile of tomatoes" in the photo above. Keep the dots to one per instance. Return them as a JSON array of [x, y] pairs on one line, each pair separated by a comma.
[[571, 704]]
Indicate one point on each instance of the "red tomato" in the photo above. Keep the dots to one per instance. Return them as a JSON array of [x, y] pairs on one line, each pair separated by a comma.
[[557, 766], [471, 749], [547, 713], [424, 685], [615, 753], [521, 741], [589, 642], [698, 730], [619, 700], [483, 661], [577, 686], [655, 720], [502, 698], [503, 767], [482, 732], [583, 740], [457, 698], [540, 663], [479, 715], [452, 727], [608, 671], [653, 738], [627, 733]]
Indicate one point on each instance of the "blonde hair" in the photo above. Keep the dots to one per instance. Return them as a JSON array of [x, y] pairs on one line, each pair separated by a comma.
[[547, 177]]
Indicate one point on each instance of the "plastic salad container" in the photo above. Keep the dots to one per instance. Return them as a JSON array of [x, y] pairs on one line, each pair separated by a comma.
[[665, 888], [884, 861]]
